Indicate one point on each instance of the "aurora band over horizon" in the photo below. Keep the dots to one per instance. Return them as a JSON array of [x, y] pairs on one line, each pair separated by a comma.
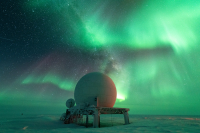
[[153, 48]]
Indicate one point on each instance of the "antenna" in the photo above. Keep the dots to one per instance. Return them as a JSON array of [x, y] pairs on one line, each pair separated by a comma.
[[70, 103]]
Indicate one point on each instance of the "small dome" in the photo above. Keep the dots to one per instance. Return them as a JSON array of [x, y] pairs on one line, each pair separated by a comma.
[[70, 103]]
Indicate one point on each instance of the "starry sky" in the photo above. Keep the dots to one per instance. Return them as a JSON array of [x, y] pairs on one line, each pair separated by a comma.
[[150, 49]]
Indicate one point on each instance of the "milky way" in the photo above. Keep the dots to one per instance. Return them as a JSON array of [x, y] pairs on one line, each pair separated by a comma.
[[149, 48]]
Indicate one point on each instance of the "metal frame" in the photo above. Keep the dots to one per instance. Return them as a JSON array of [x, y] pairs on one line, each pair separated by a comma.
[[79, 111]]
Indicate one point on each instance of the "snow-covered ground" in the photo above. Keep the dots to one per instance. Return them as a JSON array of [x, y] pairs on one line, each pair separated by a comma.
[[109, 123]]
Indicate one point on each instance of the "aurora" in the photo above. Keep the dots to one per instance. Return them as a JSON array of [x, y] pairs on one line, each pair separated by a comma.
[[150, 49]]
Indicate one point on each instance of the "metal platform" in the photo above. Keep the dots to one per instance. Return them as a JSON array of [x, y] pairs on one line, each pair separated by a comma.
[[79, 111]]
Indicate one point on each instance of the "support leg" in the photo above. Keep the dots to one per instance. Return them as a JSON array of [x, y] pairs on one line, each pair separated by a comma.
[[96, 119], [86, 120], [126, 117]]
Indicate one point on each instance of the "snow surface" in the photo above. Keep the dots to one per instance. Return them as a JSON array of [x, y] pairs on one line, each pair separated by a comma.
[[109, 123]]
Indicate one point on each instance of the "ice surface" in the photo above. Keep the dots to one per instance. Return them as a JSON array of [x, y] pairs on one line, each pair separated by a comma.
[[109, 123]]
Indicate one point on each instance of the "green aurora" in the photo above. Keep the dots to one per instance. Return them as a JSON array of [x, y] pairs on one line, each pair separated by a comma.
[[153, 24], [153, 49]]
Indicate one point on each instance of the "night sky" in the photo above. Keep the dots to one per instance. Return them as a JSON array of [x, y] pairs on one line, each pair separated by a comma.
[[150, 49]]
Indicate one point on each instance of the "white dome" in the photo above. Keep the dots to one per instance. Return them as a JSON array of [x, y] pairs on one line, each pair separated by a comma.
[[94, 85]]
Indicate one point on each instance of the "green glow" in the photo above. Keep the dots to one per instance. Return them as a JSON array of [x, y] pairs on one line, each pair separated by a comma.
[[154, 82], [154, 24], [158, 27], [50, 78], [122, 84]]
